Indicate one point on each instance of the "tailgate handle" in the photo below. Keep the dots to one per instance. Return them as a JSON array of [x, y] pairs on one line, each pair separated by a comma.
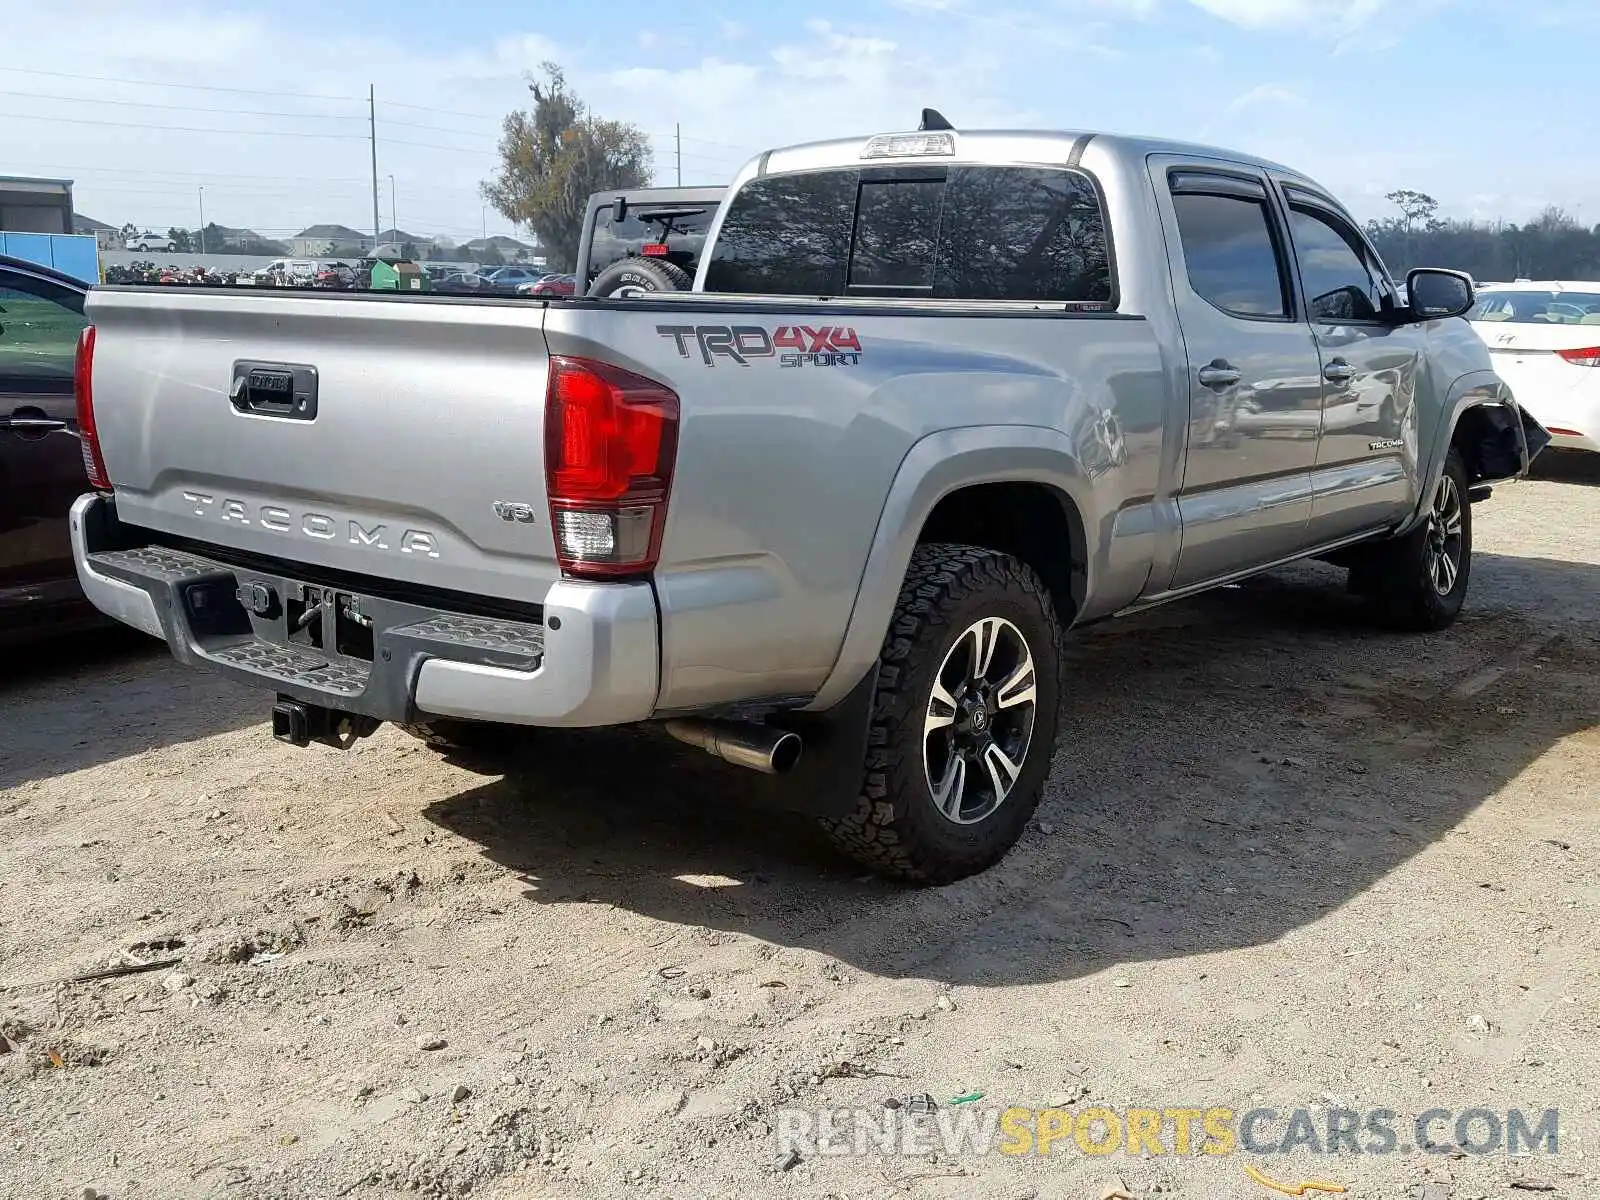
[[284, 390]]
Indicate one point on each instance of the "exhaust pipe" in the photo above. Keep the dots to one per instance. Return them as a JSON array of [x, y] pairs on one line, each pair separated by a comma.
[[755, 747]]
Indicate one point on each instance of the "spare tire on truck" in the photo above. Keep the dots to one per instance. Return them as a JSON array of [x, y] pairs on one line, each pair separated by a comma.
[[634, 276]]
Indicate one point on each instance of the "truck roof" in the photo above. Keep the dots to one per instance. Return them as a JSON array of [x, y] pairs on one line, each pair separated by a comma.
[[1005, 144]]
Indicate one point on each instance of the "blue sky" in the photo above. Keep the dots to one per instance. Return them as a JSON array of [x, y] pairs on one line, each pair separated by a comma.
[[1485, 104]]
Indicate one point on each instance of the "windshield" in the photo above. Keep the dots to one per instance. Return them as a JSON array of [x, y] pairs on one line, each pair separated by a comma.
[[615, 240], [1538, 307]]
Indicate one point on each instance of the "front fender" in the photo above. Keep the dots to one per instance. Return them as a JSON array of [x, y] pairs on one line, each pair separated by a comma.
[[1482, 388], [934, 467]]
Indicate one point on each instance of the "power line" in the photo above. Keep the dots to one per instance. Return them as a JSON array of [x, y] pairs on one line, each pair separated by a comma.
[[183, 128], [242, 112], [443, 112], [197, 87], [430, 146]]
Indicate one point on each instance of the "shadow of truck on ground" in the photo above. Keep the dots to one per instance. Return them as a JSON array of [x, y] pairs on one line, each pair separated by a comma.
[[1230, 769], [76, 701]]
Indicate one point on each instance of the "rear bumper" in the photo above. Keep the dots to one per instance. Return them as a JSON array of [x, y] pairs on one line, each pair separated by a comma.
[[1576, 439], [593, 659]]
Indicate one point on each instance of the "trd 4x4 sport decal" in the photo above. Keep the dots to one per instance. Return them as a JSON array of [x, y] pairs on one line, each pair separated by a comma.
[[791, 345]]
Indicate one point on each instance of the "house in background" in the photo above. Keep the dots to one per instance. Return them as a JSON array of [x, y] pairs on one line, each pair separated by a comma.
[[106, 237], [329, 241], [499, 246], [410, 245]]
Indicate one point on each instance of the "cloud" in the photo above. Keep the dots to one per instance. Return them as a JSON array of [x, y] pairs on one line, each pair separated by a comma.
[[1332, 18], [1268, 95]]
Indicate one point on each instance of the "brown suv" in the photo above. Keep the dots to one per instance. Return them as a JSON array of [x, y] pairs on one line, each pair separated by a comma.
[[41, 463]]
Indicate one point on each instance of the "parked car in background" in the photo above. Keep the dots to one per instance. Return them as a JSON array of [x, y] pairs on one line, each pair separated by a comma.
[[147, 241], [41, 459], [550, 285], [508, 279], [335, 275], [1544, 338], [288, 272], [460, 281]]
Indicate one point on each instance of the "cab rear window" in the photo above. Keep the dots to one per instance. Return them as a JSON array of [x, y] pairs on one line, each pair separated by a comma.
[[959, 233]]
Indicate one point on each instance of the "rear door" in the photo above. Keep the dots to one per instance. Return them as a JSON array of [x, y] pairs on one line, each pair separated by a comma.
[[41, 464], [1367, 453], [1255, 392]]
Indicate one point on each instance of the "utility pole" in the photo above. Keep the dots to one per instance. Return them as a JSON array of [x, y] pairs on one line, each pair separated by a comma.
[[677, 130], [202, 218], [372, 127]]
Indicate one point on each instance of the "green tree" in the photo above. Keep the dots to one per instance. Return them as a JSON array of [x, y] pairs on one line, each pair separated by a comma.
[[554, 157], [181, 242]]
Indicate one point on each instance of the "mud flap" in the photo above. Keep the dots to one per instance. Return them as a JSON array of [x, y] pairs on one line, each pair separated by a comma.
[[827, 779]]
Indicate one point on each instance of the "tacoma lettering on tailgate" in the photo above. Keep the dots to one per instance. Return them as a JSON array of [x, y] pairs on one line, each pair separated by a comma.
[[791, 345], [314, 525]]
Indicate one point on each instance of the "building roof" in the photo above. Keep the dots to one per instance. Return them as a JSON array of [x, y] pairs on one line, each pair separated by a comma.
[[84, 224], [499, 241], [333, 233], [24, 183]]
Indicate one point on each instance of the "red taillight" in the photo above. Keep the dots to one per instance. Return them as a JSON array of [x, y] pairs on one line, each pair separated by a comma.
[[1589, 356], [655, 250], [83, 389], [611, 438]]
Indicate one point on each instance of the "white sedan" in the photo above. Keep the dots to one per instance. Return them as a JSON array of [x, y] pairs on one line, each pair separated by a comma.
[[1545, 340]]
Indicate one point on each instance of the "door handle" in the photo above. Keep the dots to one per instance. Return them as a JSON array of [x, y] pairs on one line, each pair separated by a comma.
[[1338, 371], [1219, 375], [31, 424]]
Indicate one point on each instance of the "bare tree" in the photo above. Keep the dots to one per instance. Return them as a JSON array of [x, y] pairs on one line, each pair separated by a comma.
[[554, 157]]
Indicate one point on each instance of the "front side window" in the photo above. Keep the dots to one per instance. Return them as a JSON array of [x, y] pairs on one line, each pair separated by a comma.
[[1340, 281], [39, 327], [1230, 254], [1031, 234]]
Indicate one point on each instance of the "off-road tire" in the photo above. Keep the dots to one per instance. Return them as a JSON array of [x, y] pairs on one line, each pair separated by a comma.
[[1396, 576], [895, 828], [646, 274]]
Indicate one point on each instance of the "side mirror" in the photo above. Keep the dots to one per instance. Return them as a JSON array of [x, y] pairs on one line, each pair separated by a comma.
[[1435, 294]]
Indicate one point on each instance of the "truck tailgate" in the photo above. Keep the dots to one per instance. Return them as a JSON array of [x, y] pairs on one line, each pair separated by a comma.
[[421, 460]]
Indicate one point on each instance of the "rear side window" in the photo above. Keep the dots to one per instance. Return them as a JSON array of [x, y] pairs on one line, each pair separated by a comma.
[[966, 233], [1230, 254]]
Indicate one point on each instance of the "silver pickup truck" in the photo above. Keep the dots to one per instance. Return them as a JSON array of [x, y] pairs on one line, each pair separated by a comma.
[[935, 399]]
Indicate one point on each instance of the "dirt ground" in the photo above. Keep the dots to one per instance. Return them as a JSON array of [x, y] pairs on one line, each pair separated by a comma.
[[1284, 861]]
